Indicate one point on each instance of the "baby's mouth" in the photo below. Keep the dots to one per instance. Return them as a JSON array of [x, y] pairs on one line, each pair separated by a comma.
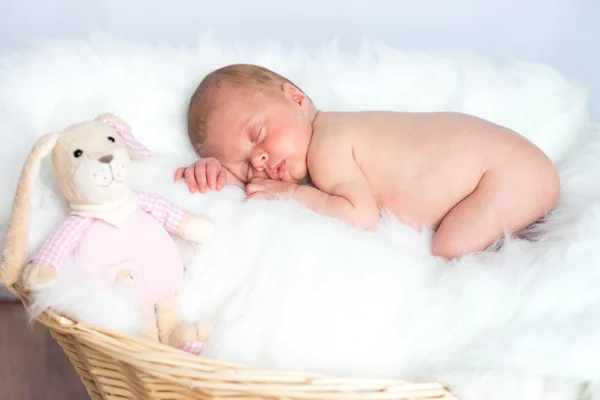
[[278, 171]]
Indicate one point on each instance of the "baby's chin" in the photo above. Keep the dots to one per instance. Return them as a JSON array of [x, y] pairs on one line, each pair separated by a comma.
[[303, 181], [300, 177]]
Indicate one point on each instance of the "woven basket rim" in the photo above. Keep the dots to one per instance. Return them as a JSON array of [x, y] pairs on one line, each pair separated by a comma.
[[207, 374]]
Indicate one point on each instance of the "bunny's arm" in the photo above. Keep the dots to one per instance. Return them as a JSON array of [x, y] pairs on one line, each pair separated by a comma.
[[175, 221], [40, 272], [60, 243], [169, 216]]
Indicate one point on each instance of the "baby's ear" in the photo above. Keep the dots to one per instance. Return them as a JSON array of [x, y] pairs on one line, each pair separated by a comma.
[[293, 92], [296, 95]]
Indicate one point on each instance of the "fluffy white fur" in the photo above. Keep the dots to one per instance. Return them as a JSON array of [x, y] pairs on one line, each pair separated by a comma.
[[287, 288]]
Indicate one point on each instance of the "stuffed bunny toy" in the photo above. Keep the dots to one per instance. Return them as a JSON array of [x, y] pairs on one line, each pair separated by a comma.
[[117, 235]]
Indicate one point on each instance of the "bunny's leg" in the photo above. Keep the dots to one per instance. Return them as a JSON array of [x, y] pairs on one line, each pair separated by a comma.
[[150, 328], [174, 332]]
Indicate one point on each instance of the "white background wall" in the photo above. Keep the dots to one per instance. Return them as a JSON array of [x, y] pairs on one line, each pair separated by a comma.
[[561, 33]]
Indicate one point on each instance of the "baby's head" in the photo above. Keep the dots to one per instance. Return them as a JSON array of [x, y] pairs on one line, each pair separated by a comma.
[[254, 121]]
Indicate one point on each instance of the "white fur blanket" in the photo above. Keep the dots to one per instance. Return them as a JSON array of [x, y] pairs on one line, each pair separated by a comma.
[[287, 288]]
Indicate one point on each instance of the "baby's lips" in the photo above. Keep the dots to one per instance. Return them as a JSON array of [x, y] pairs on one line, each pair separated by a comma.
[[282, 169], [279, 170]]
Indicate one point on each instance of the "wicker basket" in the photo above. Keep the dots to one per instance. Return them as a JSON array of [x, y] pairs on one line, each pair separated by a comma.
[[117, 366]]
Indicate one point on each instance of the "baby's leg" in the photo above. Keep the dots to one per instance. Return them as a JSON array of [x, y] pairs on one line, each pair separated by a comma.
[[501, 203]]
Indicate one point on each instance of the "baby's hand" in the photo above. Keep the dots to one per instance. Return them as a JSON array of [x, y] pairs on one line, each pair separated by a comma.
[[269, 188], [204, 173]]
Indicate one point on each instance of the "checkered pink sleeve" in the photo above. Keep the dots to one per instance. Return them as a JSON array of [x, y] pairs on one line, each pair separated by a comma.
[[164, 212], [59, 244]]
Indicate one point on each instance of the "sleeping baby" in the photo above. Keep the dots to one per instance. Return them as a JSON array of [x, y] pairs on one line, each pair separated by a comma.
[[469, 180]]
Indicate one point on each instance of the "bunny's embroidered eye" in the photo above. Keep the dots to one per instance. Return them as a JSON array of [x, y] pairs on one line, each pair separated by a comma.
[[77, 153], [111, 139]]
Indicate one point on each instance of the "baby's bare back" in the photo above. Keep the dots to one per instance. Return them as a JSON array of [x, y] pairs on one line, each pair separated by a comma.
[[421, 165]]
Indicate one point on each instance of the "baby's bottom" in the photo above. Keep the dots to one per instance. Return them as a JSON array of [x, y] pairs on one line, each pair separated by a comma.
[[502, 203]]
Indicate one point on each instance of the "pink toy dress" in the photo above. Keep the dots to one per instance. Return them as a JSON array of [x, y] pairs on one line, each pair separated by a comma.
[[135, 238]]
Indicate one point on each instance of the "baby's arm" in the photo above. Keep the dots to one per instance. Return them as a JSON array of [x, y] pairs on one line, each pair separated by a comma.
[[346, 203], [344, 190]]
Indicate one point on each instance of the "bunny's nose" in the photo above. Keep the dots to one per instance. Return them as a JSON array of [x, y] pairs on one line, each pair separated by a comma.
[[105, 159]]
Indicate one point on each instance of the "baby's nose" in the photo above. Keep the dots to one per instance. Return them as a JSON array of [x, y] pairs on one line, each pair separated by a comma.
[[260, 161]]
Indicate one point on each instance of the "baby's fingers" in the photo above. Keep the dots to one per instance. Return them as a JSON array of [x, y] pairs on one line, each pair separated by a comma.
[[212, 169], [190, 179], [179, 173], [257, 195], [200, 172], [221, 179], [252, 188]]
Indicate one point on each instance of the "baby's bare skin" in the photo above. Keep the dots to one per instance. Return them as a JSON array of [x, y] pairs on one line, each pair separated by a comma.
[[468, 179], [458, 174]]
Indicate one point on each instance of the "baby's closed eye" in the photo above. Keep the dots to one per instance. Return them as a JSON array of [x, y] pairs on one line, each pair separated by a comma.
[[257, 135]]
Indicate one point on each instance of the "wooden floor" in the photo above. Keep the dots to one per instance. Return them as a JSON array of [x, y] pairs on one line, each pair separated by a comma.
[[32, 364]]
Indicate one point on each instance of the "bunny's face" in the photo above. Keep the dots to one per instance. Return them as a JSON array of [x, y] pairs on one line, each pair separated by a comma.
[[92, 163]]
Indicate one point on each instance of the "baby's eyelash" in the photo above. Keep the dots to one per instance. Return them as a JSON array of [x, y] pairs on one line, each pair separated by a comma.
[[257, 135], [247, 174]]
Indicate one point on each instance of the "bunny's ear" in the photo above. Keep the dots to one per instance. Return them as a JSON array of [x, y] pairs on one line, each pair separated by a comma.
[[15, 244], [137, 151]]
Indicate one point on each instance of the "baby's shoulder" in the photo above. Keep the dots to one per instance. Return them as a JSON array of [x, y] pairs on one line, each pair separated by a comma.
[[329, 132], [326, 143], [327, 154]]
